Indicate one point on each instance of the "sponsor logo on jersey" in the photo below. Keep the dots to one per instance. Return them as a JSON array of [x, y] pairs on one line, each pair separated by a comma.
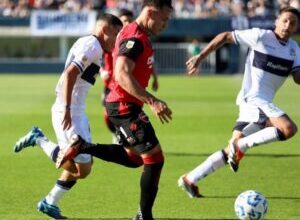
[[277, 66], [150, 60], [84, 59], [272, 64]]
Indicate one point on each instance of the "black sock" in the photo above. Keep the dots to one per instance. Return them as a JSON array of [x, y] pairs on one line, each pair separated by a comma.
[[55, 153], [109, 152], [66, 184], [149, 187]]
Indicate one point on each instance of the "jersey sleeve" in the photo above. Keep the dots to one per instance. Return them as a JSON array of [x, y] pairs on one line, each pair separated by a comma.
[[84, 56], [247, 37], [296, 64], [131, 48]]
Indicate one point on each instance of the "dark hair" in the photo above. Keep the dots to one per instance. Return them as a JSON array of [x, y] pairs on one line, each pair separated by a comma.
[[126, 12], [291, 10], [157, 3], [110, 19]]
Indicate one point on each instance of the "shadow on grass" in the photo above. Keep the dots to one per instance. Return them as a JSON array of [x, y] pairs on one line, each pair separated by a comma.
[[155, 219], [269, 197], [248, 155]]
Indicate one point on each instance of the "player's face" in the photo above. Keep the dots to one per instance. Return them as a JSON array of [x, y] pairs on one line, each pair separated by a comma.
[[126, 20], [286, 24], [111, 34], [159, 19]]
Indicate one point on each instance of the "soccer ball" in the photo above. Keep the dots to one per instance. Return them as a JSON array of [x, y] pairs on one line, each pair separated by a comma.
[[250, 205]]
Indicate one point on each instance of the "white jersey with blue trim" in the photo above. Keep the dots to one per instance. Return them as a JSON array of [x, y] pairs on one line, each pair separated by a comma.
[[268, 64], [86, 53]]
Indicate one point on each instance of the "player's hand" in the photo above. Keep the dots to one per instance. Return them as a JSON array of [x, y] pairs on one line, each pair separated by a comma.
[[192, 65], [67, 121], [104, 75], [161, 110]]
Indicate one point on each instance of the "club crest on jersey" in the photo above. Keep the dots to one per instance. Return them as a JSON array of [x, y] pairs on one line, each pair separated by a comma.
[[84, 59], [129, 44], [292, 52]]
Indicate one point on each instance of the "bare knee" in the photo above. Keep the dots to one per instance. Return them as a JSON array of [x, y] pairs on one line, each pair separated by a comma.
[[83, 170]]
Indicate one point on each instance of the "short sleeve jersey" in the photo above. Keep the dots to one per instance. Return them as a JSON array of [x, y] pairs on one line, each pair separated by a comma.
[[134, 43], [269, 62], [86, 53]]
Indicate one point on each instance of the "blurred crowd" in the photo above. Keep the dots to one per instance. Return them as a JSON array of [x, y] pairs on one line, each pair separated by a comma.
[[182, 8]]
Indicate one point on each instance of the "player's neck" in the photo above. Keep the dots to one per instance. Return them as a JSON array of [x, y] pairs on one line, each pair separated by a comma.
[[142, 23], [280, 39], [100, 40]]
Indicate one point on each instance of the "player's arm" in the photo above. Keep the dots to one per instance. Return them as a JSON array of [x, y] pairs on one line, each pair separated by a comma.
[[296, 76], [221, 39], [123, 75], [70, 76], [128, 53], [155, 80]]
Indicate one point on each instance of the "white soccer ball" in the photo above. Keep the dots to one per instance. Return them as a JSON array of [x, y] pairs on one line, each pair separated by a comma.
[[250, 205]]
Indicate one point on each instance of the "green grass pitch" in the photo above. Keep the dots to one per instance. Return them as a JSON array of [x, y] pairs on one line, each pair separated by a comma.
[[204, 113]]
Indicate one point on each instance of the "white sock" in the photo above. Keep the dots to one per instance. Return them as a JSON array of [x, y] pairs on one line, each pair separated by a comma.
[[55, 195], [47, 146], [263, 136], [211, 164]]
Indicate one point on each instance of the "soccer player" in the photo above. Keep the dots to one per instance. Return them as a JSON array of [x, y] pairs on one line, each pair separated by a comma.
[[271, 58], [133, 62], [68, 112], [126, 16]]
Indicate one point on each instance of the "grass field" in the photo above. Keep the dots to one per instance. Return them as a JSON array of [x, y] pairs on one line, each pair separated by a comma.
[[204, 113]]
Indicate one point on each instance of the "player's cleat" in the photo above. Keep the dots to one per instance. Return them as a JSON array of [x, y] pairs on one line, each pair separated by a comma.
[[191, 189], [50, 210], [234, 157], [29, 139], [70, 152], [140, 216]]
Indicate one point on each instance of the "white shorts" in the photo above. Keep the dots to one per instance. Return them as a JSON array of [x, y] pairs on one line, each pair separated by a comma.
[[80, 126], [258, 113]]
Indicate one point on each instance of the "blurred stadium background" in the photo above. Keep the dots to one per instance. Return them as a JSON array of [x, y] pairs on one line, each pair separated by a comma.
[[36, 34]]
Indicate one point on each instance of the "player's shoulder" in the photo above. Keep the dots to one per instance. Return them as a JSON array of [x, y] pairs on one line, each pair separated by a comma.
[[132, 30], [260, 32], [90, 42], [90, 45], [293, 44]]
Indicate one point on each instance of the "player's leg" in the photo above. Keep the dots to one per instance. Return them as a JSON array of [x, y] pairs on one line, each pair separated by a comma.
[[138, 135], [107, 152], [215, 161], [149, 181], [188, 182], [107, 121], [36, 137], [63, 185], [279, 128], [83, 162]]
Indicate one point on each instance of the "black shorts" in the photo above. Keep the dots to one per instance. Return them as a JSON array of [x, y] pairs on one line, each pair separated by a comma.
[[240, 125], [133, 128]]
